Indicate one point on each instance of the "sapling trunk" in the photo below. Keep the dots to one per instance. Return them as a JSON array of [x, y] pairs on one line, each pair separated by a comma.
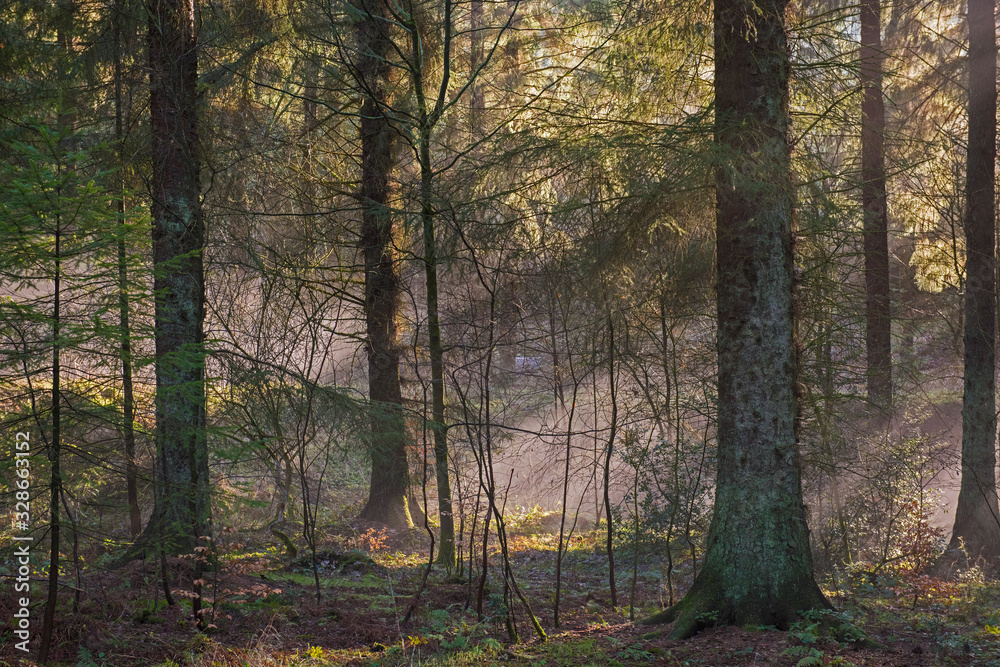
[[125, 333], [612, 381], [55, 483], [565, 496]]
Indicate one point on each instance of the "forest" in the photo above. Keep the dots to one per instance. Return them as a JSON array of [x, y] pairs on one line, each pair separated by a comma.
[[482, 332]]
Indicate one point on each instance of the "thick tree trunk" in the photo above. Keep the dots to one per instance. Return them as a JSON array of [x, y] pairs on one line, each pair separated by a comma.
[[390, 479], [758, 567], [180, 514], [977, 522], [873, 196]]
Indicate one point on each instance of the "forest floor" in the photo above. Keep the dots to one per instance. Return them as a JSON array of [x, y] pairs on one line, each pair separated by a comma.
[[267, 613]]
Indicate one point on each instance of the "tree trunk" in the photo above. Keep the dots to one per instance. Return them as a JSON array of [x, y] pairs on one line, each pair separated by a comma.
[[758, 567], [977, 522], [477, 100], [390, 479], [66, 12], [427, 118], [310, 123], [125, 345], [446, 556], [55, 483], [180, 514], [609, 452], [877, 338], [283, 470]]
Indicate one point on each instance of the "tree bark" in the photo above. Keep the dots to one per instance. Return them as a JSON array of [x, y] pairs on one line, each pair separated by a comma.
[[608, 453], [446, 556], [758, 567], [390, 478], [977, 522], [428, 114], [125, 345], [180, 514], [878, 341]]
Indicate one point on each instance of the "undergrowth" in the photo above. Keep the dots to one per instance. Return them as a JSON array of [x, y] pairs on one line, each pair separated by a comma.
[[266, 613]]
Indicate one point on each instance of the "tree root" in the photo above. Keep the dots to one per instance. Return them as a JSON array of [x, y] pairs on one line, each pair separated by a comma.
[[690, 615], [706, 605], [290, 549]]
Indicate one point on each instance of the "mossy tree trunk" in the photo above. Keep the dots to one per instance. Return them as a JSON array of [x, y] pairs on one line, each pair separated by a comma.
[[878, 342], [977, 522], [390, 479], [180, 515], [758, 567]]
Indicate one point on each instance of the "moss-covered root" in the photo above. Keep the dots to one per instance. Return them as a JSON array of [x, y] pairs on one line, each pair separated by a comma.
[[691, 615], [705, 606], [290, 550]]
